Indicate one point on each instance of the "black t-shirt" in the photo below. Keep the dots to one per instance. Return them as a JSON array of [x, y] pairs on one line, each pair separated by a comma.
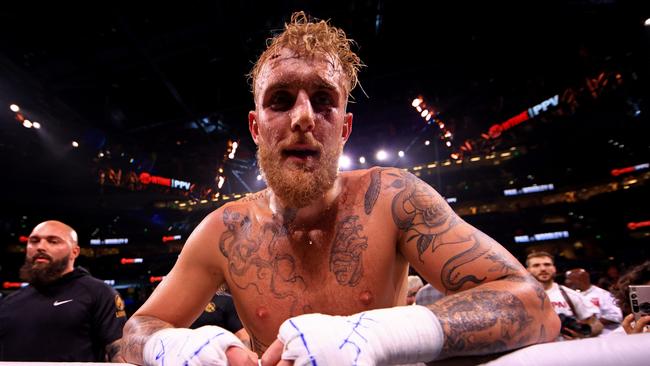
[[72, 319], [220, 311]]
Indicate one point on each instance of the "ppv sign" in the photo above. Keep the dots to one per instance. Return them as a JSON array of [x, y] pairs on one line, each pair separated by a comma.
[[146, 178], [497, 129]]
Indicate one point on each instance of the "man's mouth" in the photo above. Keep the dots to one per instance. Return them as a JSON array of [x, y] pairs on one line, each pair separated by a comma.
[[41, 259], [300, 153]]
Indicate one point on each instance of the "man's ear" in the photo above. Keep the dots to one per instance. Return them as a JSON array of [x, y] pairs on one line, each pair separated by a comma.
[[347, 127], [75, 252], [253, 127]]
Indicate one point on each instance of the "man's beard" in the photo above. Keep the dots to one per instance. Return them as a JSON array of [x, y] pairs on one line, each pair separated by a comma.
[[39, 274], [299, 186], [549, 279]]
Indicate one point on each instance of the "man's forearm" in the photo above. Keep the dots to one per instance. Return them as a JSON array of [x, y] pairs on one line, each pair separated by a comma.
[[494, 317], [136, 333], [113, 352], [596, 326]]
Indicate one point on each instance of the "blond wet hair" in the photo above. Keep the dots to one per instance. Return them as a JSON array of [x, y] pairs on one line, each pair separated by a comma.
[[308, 37]]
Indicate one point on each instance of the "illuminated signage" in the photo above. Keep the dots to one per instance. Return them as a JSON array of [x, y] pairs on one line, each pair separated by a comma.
[[629, 169], [23, 239], [530, 189], [451, 200], [541, 236], [170, 238], [497, 129], [131, 260], [154, 279], [14, 284], [110, 282], [112, 241], [637, 225], [146, 178], [543, 106]]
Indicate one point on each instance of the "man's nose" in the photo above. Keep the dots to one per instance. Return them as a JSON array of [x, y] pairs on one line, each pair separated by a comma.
[[302, 116]]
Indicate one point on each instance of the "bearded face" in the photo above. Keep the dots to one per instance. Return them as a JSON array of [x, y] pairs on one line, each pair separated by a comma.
[[300, 124], [42, 269], [296, 182]]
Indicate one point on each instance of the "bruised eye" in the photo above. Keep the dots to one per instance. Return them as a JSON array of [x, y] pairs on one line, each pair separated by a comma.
[[322, 99], [281, 101]]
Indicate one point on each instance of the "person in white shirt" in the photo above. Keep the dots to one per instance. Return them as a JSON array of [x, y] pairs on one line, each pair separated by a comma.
[[574, 310], [610, 314]]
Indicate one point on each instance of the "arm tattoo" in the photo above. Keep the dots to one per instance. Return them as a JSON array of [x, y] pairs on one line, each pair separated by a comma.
[[501, 264], [471, 319], [373, 191], [252, 267], [512, 273], [419, 213], [346, 260], [450, 270], [537, 287], [425, 218], [112, 350], [136, 333]]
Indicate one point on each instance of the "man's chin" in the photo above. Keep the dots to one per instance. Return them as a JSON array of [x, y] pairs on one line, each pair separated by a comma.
[[299, 166]]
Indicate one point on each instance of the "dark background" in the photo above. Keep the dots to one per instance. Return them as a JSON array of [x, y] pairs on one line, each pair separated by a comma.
[[162, 88]]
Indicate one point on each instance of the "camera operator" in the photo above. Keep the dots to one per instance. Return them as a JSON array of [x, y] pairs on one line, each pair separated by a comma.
[[578, 315]]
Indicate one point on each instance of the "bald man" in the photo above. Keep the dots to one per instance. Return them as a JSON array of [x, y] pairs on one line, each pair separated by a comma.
[[64, 314], [610, 314]]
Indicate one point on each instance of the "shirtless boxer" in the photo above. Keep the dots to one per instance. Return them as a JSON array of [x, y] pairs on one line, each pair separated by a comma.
[[321, 242]]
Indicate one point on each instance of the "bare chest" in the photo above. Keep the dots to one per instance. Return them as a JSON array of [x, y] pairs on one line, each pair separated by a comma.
[[343, 268]]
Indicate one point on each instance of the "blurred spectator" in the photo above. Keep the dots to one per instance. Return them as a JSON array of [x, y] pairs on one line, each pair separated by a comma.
[[579, 316], [639, 275], [610, 314], [414, 284], [427, 295]]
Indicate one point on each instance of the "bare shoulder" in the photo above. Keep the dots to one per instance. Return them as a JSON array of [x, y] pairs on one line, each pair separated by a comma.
[[375, 184], [381, 185], [219, 218], [220, 221]]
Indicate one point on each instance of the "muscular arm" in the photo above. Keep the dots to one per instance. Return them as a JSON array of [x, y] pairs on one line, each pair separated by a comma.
[[136, 333], [492, 303], [243, 336], [114, 352], [182, 295]]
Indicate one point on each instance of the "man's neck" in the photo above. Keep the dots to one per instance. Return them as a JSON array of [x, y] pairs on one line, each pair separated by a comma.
[[313, 211], [548, 285], [67, 270]]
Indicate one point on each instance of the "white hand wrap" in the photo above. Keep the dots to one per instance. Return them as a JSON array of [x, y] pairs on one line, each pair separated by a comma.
[[400, 335], [180, 346]]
